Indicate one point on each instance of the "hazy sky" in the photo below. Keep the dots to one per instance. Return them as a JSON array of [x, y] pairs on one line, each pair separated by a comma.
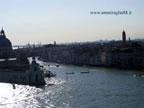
[[45, 21]]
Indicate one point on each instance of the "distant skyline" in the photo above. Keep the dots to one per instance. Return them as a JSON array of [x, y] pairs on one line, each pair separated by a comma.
[[63, 21]]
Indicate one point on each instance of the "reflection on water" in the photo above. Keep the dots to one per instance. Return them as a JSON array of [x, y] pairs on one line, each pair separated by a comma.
[[104, 88]]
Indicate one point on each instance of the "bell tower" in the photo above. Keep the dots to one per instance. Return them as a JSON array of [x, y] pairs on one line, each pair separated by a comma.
[[124, 37]]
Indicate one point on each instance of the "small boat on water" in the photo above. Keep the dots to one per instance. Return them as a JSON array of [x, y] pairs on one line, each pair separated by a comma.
[[57, 65], [139, 74], [41, 66], [85, 72], [49, 74], [50, 84], [70, 73]]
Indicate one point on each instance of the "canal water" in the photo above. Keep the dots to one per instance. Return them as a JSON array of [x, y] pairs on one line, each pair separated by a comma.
[[100, 88]]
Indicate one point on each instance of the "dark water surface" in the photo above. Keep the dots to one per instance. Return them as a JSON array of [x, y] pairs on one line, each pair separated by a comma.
[[101, 88]]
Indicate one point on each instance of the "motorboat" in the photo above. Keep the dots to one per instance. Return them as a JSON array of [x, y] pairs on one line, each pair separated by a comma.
[[57, 65], [49, 74], [84, 72], [70, 73]]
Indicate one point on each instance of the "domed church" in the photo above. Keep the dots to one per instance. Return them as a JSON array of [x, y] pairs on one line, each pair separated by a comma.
[[5, 46], [16, 69]]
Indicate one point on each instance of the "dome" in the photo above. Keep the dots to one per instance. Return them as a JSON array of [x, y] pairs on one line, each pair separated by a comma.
[[4, 42]]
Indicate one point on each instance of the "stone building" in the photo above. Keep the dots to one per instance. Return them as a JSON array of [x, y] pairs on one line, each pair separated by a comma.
[[32, 76], [17, 69], [121, 54]]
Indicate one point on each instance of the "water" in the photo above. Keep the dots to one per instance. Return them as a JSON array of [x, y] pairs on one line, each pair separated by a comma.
[[101, 88]]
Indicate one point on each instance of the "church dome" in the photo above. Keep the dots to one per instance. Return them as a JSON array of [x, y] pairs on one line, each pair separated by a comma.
[[4, 42]]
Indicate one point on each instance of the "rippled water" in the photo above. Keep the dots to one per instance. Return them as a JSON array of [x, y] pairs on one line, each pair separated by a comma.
[[101, 88]]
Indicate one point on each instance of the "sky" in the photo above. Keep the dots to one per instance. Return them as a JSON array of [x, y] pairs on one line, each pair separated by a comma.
[[64, 21]]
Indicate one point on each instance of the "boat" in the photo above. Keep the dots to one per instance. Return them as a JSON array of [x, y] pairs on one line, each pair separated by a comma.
[[57, 65], [70, 73], [50, 84], [49, 74], [41, 66], [139, 74], [85, 72]]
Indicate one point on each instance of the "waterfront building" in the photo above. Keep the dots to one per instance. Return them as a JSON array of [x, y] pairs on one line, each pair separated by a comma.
[[35, 75], [17, 70], [119, 54], [32, 76]]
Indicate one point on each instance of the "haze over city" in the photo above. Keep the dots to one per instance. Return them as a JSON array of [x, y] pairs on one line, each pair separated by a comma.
[[71, 54], [63, 21]]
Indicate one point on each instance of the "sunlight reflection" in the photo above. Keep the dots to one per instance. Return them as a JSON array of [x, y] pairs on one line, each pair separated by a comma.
[[6, 93]]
